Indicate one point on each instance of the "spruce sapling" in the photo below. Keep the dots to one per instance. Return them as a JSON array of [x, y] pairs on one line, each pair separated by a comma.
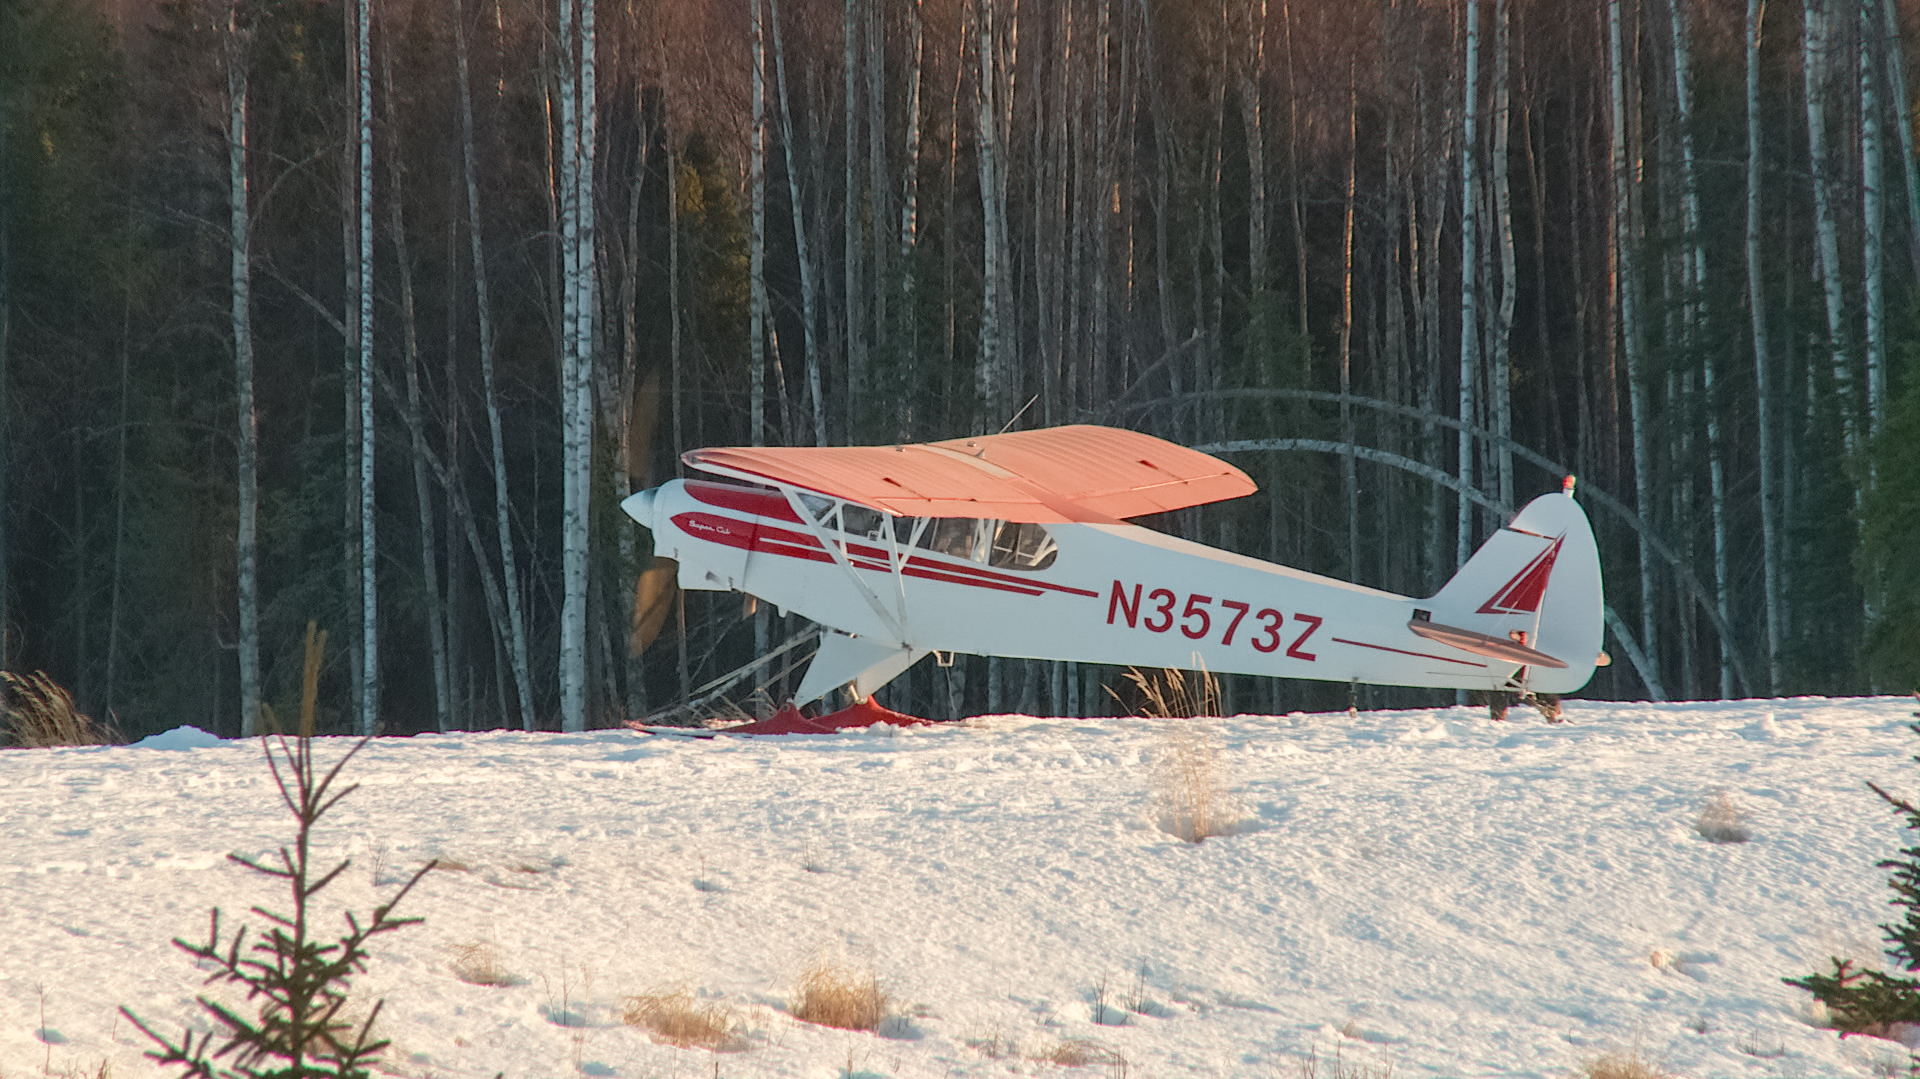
[[1868, 1001], [299, 1032]]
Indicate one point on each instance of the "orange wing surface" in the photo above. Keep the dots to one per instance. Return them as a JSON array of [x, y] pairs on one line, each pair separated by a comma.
[[1056, 474]]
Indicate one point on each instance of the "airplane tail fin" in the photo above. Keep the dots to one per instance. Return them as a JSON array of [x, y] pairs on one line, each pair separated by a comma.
[[1536, 583]]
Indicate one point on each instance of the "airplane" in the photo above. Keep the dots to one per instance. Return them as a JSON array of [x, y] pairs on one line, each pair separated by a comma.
[[1018, 545]]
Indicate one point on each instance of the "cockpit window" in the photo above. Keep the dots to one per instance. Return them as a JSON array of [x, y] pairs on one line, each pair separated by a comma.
[[1022, 545], [1014, 545]]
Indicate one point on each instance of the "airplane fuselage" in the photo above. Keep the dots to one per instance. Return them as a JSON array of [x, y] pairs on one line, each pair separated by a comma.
[[1097, 593]]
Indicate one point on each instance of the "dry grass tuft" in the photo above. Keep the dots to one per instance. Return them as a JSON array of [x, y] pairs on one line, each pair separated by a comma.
[[1723, 820], [1341, 1068], [479, 963], [1627, 1065], [1080, 1053], [1192, 795], [36, 713], [677, 1017], [1168, 694], [833, 995]]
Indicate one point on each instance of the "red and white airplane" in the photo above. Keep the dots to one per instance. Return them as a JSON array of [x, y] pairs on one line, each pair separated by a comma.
[[1017, 545]]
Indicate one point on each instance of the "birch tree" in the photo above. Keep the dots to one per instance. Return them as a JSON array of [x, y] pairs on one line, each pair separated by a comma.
[[1763, 376], [236, 41], [1469, 274], [1693, 283], [1815, 47], [809, 289], [575, 161], [422, 491], [509, 565], [993, 115], [369, 601], [1627, 288], [1873, 225]]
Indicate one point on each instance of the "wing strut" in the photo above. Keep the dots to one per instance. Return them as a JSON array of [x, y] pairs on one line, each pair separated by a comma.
[[896, 626]]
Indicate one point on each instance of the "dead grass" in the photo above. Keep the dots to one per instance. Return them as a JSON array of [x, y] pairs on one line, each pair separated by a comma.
[[1341, 1068], [1169, 693], [1192, 792], [831, 994], [1622, 1065], [36, 713], [677, 1017], [479, 963], [1080, 1053], [1723, 820]]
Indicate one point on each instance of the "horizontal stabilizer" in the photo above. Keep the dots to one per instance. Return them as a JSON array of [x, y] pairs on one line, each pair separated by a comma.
[[1482, 644]]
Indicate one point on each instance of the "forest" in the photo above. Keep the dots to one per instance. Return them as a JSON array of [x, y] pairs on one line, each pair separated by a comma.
[[367, 313]]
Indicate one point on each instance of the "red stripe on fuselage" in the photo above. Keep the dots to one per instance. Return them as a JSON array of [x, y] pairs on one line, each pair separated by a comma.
[[729, 496], [772, 539]]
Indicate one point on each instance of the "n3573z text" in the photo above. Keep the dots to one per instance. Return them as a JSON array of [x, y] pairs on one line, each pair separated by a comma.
[[1161, 610]]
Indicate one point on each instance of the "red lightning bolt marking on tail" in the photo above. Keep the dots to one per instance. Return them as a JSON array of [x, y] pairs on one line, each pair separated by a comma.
[[1522, 594]]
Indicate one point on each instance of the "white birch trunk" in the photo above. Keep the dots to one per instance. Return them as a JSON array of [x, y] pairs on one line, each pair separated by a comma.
[[1252, 74], [369, 605], [877, 183], [422, 493], [1500, 368], [1469, 275], [1903, 116], [990, 112], [239, 248], [576, 165], [809, 288], [1873, 225], [1763, 377], [1349, 480], [856, 339], [1815, 44], [1626, 246], [1693, 279], [510, 566], [757, 251]]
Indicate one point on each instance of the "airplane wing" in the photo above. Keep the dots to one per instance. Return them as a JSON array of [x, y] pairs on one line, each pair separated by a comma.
[[1078, 473]]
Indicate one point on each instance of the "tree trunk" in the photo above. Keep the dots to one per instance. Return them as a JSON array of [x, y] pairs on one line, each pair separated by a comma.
[[909, 213], [1763, 377], [993, 114], [1815, 44], [239, 250], [422, 493], [1500, 368], [1873, 227], [1693, 281], [1469, 277], [369, 594], [855, 330], [1350, 481], [578, 118], [757, 251], [1627, 289], [809, 290], [510, 566], [1903, 116]]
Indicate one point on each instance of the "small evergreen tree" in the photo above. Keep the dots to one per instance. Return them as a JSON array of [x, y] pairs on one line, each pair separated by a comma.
[[301, 980], [1869, 1001]]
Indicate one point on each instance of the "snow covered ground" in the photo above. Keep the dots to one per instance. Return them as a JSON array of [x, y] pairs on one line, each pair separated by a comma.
[[1425, 890]]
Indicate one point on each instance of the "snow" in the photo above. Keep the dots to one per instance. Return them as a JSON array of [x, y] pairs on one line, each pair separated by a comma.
[[1421, 890], [179, 738]]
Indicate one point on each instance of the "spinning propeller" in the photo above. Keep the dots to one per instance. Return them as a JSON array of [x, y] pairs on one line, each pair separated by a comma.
[[658, 585]]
